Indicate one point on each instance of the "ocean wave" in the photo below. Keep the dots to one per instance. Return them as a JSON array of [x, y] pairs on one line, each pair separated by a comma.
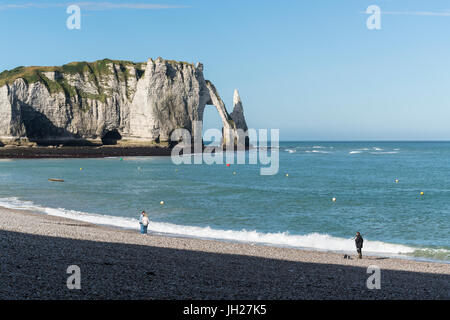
[[374, 150], [360, 150], [435, 254], [314, 241], [316, 151], [291, 150]]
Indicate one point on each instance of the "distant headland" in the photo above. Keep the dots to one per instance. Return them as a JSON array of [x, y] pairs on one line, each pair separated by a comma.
[[133, 106]]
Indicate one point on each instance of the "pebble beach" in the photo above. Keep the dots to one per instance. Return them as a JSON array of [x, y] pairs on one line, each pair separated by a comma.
[[36, 250]]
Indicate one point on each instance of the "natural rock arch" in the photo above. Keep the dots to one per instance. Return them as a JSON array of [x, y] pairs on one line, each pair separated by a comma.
[[144, 102], [228, 126]]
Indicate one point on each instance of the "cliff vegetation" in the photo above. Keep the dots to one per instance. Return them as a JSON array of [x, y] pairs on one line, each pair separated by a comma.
[[94, 72]]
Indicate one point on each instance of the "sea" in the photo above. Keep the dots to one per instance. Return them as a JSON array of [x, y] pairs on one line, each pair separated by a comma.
[[396, 194]]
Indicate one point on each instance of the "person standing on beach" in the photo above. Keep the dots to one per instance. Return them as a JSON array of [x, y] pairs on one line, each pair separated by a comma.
[[145, 223], [359, 244], [141, 218]]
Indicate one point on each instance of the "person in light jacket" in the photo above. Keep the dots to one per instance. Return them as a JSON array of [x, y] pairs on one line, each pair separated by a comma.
[[143, 222]]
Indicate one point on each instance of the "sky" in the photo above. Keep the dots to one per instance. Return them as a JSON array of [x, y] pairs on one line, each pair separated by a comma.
[[312, 69]]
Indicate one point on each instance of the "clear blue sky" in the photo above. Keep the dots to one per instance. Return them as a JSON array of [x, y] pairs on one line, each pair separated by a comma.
[[310, 68]]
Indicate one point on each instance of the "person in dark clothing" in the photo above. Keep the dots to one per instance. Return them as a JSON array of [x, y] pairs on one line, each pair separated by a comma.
[[359, 244]]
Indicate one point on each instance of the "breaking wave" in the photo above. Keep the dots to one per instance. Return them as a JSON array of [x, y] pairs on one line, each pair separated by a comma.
[[315, 241], [385, 152], [374, 150], [316, 151]]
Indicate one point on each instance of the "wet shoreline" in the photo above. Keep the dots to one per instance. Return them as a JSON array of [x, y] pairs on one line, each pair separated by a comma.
[[81, 152], [123, 264]]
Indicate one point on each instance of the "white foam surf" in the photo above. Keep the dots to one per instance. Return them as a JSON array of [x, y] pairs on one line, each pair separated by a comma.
[[315, 241], [316, 151], [375, 150], [385, 152]]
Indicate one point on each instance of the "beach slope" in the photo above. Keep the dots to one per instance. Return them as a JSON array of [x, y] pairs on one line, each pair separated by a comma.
[[36, 251]]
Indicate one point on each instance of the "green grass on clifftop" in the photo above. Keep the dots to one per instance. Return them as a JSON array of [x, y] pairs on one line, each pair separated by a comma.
[[95, 72]]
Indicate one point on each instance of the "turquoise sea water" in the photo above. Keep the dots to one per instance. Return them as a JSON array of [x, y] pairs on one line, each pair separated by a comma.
[[237, 203]]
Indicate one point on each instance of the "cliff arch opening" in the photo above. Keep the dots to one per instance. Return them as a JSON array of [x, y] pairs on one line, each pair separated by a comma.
[[212, 120], [213, 99], [111, 137]]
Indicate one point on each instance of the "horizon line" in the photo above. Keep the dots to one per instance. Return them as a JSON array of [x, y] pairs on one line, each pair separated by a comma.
[[282, 140]]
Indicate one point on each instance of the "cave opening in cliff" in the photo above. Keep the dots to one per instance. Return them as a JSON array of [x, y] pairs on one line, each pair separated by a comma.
[[211, 120], [111, 137]]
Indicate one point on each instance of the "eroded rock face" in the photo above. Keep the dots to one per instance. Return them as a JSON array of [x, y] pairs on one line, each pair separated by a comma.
[[238, 112], [84, 102], [168, 97]]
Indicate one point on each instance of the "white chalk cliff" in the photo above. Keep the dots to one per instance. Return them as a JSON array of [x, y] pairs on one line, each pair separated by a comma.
[[86, 102]]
